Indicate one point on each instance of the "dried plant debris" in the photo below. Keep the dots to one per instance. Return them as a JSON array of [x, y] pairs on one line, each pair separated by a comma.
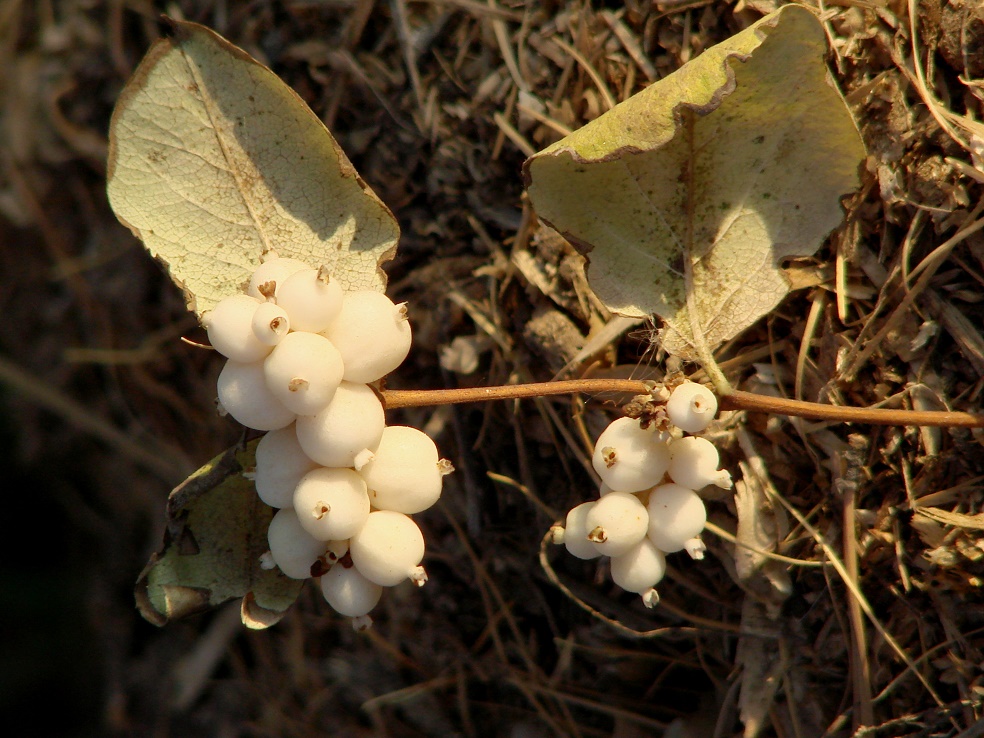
[[437, 105]]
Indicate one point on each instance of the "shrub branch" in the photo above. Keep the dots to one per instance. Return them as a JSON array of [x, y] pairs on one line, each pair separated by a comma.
[[736, 400]]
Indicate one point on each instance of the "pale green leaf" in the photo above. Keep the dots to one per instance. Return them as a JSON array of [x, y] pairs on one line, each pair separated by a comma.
[[214, 162], [216, 533], [692, 192]]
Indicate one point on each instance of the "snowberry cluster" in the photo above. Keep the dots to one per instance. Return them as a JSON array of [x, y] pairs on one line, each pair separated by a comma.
[[641, 515], [300, 353]]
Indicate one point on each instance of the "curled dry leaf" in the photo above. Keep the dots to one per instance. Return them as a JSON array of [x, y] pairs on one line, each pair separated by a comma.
[[690, 194], [769, 585], [214, 162], [216, 533], [948, 517]]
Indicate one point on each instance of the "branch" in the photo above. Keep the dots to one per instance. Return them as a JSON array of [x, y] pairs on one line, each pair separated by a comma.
[[418, 398], [737, 400]]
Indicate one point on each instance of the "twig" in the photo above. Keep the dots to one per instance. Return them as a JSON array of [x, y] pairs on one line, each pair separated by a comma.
[[599, 82], [418, 398], [407, 45], [30, 386], [744, 441], [545, 543], [737, 400], [849, 472]]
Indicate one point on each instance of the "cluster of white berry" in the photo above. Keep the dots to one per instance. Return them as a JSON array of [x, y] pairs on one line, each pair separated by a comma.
[[300, 353], [641, 516]]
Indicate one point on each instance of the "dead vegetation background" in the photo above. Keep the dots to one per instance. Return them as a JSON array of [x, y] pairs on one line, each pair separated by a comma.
[[437, 103]]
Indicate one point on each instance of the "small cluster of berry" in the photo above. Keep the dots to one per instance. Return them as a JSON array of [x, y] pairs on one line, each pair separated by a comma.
[[301, 352], [641, 515]]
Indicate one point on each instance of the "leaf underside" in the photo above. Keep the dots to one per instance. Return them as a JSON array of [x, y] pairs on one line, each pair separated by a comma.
[[689, 195], [215, 162], [216, 533]]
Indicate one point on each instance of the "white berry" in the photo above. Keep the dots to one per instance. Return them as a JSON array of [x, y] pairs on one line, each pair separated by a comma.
[[691, 407], [640, 568], [629, 458], [694, 464], [388, 549], [372, 334], [348, 592], [230, 329], [293, 550], [405, 473], [574, 534], [303, 372], [269, 275], [351, 424], [617, 522], [676, 515], [270, 323], [280, 464], [244, 395], [331, 504], [311, 298]]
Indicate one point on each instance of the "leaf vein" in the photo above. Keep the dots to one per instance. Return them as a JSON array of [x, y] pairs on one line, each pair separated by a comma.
[[240, 187]]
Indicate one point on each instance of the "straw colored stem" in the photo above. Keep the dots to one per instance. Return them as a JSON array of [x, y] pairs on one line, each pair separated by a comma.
[[737, 400]]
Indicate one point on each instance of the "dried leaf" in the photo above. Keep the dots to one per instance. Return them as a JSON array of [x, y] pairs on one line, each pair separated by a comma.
[[761, 665], [692, 192], [216, 532], [757, 531], [957, 520], [214, 162], [768, 583]]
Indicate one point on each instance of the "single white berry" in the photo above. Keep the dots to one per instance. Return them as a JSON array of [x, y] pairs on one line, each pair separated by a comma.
[[640, 568], [616, 523], [676, 515], [280, 464], [691, 407], [348, 592], [269, 275], [230, 329], [694, 464], [574, 534], [372, 334], [244, 395], [405, 473], [270, 323], [293, 550], [629, 458], [388, 549], [331, 504], [351, 423], [303, 372], [311, 298]]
